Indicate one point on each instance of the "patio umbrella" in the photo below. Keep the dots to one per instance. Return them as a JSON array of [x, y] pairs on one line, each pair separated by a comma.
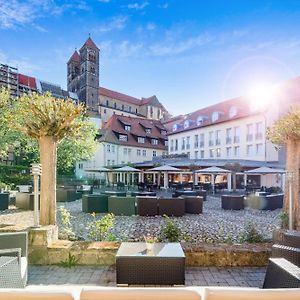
[[165, 169], [216, 170]]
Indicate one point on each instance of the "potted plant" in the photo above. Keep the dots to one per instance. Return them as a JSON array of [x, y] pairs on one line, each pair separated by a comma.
[[150, 241]]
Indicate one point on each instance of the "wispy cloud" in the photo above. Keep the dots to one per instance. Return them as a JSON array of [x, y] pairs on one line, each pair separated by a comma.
[[116, 23], [138, 6], [164, 6], [104, 1], [16, 13], [23, 65], [151, 26]]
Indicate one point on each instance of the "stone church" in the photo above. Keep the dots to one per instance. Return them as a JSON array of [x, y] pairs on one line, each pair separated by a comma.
[[83, 79]]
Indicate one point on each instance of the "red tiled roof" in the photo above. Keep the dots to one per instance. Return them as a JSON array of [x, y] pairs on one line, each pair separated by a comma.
[[27, 81], [89, 42], [115, 126], [75, 57], [119, 96]]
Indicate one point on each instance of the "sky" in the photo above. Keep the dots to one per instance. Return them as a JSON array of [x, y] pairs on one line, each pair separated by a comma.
[[189, 53]]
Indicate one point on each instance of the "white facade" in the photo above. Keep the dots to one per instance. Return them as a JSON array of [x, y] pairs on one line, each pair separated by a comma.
[[109, 154], [243, 139]]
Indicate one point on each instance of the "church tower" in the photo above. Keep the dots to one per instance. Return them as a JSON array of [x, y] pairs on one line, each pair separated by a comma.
[[89, 75], [73, 72]]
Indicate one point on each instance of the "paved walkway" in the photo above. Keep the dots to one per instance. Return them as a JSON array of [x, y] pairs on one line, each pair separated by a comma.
[[106, 276]]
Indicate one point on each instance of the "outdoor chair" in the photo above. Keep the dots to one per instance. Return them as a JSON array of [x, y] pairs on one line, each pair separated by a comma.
[[95, 203], [179, 193], [124, 206], [25, 201], [267, 202], [202, 193], [193, 204], [4, 201], [171, 206], [281, 274], [292, 254], [13, 260], [232, 202], [147, 206], [66, 195]]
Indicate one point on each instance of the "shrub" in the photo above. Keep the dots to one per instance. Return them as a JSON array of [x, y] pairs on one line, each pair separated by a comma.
[[251, 235], [65, 216], [99, 229], [71, 261], [284, 217], [170, 231]]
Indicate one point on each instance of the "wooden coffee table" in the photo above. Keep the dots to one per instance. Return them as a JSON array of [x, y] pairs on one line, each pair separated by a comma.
[[164, 265]]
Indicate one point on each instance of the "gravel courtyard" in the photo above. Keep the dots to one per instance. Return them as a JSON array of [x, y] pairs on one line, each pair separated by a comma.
[[214, 225]]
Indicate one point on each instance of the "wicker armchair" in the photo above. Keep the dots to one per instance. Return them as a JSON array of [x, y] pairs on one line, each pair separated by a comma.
[[13, 260]]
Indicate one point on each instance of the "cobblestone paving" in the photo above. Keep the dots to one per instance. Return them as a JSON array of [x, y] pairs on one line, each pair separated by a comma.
[[106, 276]]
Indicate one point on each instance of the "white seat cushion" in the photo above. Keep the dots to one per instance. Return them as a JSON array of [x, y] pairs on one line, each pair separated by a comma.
[[140, 294], [222, 293]]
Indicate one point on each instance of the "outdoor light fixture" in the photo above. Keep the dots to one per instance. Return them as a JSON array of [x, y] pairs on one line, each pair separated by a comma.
[[290, 177], [36, 171]]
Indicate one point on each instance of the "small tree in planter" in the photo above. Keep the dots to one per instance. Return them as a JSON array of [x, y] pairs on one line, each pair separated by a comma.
[[286, 131], [47, 120]]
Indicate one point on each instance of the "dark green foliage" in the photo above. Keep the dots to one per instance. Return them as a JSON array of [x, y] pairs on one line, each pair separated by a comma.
[[251, 235], [284, 220], [70, 262], [170, 231]]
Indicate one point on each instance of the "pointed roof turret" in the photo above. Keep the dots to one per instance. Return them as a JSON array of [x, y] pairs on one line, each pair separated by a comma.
[[90, 43], [75, 57]]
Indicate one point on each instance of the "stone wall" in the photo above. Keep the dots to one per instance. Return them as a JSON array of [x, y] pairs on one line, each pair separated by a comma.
[[46, 249]]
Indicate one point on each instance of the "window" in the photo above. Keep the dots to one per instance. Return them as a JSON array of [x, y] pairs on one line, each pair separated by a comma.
[[249, 136], [129, 108], [107, 148], [108, 162], [166, 142], [202, 140], [129, 151], [188, 142], [196, 141], [228, 151], [218, 151], [211, 142], [107, 103], [154, 141], [188, 154], [104, 110], [211, 153], [123, 137], [236, 151], [186, 124], [259, 130], [202, 154], [112, 162], [163, 132], [228, 135], [175, 127], [237, 134], [113, 148], [200, 120], [218, 137], [232, 111], [125, 151], [127, 127], [138, 152], [154, 153], [141, 140], [249, 150], [122, 106], [259, 149], [176, 145], [115, 105], [144, 152], [148, 130], [183, 143], [215, 116], [196, 154], [80, 166], [172, 146]]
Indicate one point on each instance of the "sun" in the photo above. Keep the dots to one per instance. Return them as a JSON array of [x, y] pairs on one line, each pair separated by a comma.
[[260, 95]]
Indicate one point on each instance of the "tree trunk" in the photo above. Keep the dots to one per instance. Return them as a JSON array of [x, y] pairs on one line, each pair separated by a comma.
[[292, 165], [48, 181]]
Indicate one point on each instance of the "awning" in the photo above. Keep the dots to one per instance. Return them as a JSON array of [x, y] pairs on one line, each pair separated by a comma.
[[213, 170]]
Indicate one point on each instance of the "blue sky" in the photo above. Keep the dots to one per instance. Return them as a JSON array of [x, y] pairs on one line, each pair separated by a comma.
[[189, 53]]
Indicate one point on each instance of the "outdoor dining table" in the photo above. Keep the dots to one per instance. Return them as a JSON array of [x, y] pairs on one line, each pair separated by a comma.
[[144, 193]]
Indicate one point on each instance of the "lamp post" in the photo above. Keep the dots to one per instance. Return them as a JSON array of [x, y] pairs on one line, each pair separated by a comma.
[[290, 177], [36, 171]]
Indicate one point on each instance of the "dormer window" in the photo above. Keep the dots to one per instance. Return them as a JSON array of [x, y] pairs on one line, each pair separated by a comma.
[[215, 116], [175, 127], [127, 127], [186, 124], [154, 141], [123, 137], [166, 142], [141, 140], [163, 132], [232, 111], [200, 120], [148, 130]]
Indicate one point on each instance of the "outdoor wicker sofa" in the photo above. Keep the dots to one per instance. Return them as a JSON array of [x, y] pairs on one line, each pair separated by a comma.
[[125, 206], [67, 195], [232, 202], [147, 205], [193, 204], [265, 202], [4, 201], [25, 201], [13, 259], [95, 203], [171, 206]]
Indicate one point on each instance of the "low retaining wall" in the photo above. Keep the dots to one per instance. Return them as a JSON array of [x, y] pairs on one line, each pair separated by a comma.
[[46, 249]]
